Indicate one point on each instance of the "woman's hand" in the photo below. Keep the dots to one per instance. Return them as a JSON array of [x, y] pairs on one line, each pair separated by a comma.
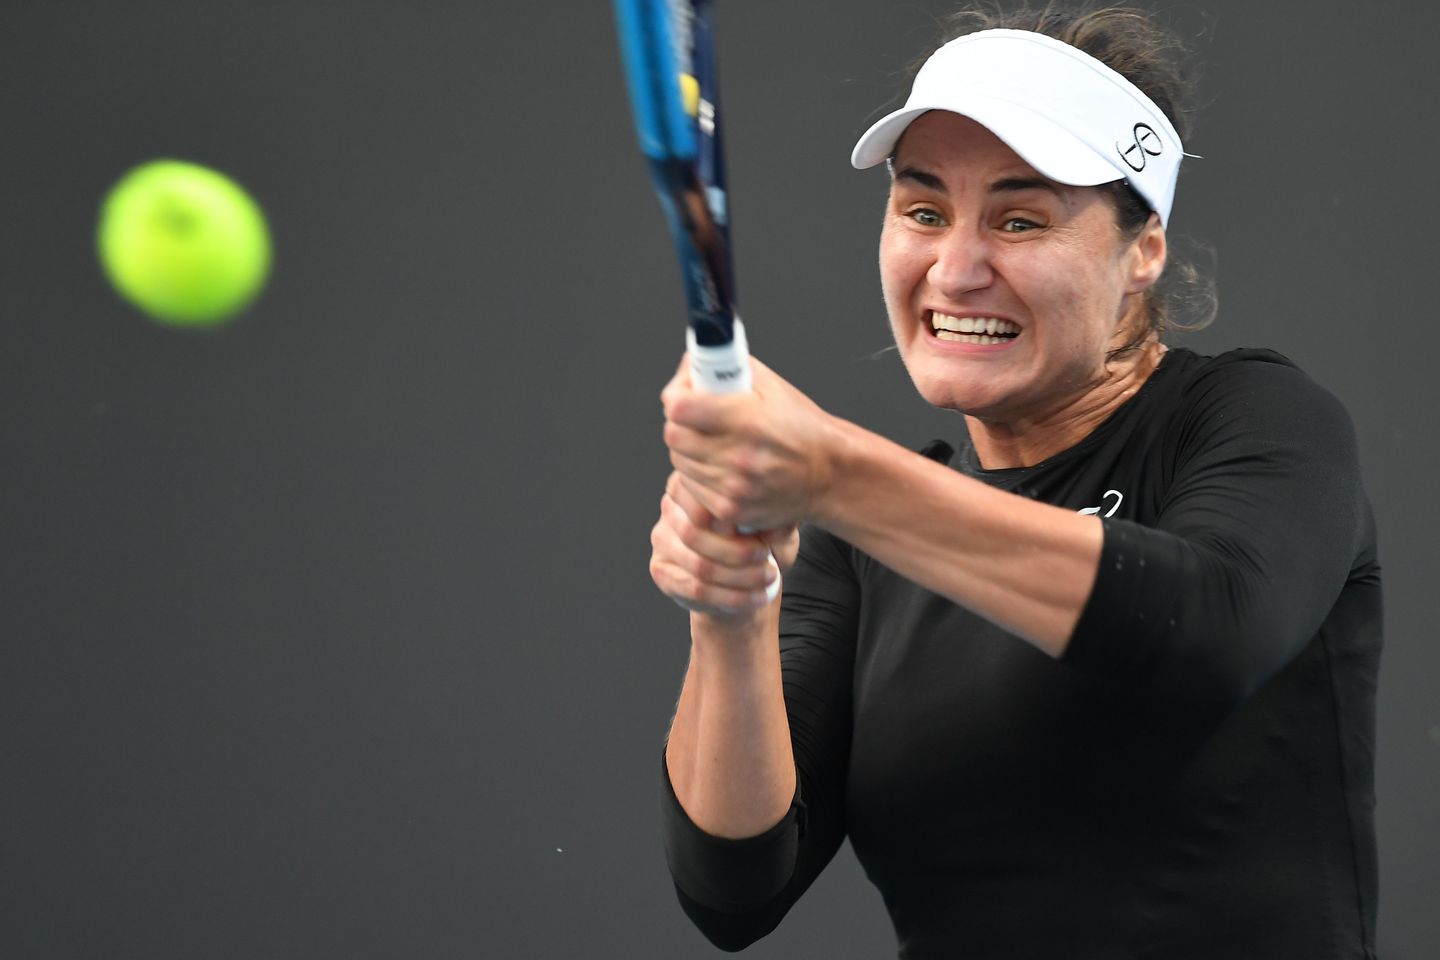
[[706, 566], [758, 460]]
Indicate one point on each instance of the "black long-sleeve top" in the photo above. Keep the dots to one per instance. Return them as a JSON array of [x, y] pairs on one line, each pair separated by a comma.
[[1192, 779]]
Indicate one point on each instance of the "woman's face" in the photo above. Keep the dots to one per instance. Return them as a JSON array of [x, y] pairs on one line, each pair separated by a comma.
[[1005, 290]]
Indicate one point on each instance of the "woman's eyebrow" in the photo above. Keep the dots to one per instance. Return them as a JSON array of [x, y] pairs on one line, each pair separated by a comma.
[[1006, 185], [1016, 184], [927, 180]]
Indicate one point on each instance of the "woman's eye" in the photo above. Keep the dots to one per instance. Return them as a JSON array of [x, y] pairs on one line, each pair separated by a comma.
[[927, 218], [1019, 225]]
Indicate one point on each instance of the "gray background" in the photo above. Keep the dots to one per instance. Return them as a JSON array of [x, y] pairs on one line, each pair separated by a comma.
[[329, 633]]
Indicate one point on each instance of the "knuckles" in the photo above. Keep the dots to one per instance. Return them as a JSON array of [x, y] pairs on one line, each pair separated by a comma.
[[671, 434], [737, 488], [725, 510]]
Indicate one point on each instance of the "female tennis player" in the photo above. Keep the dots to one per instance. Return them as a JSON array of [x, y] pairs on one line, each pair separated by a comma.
[[1101, 683]]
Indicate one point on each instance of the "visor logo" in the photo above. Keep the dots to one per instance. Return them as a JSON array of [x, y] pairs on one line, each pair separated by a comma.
[[1147, 144]]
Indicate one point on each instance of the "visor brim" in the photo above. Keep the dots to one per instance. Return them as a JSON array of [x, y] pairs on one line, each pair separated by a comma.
[[1051, 149]]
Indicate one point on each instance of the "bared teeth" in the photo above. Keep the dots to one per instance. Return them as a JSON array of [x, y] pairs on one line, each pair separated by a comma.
[[988, 327]]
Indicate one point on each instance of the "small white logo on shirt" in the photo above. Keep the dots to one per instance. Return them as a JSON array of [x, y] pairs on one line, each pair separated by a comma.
[[1101, 510]]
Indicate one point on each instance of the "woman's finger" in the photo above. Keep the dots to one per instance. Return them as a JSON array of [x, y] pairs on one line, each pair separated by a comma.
[[731, 562], [784, 544], [699, 585]]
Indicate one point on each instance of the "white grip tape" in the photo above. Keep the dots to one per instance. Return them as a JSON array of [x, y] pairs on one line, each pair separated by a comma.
[[724, 369]]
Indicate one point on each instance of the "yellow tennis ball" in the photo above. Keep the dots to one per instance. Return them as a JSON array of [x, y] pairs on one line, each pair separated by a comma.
[[183, 243]]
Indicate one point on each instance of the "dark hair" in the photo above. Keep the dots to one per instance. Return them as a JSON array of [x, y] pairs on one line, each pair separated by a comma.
[[1131, 43]]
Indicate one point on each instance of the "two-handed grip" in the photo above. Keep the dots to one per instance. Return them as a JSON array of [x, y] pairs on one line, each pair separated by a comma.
[[726, 369]]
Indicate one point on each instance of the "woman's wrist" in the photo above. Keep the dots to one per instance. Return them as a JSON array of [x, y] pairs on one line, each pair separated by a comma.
[[848, 448], [734, 632]]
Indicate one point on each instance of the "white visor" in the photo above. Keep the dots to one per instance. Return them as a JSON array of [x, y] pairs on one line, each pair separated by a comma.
[[1065, 113]]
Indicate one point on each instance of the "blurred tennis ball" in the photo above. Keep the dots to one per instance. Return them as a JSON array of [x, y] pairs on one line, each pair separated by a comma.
[[184, 243]]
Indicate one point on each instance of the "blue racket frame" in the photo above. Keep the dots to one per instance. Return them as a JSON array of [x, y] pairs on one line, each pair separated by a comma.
[[660, 40]]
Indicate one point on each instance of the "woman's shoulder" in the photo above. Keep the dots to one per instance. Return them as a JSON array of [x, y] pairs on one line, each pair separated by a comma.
[[1239, 378], [1186, 367], [1251, 392]]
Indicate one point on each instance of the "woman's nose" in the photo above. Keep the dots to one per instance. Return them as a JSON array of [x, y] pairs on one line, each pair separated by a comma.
[[962, 264]]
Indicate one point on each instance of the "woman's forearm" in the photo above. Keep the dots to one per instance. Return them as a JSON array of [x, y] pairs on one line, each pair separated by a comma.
[[1026, 566], [729, 752]]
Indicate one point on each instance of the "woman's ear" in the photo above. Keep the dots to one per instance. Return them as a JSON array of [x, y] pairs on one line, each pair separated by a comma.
[[1147, 255]]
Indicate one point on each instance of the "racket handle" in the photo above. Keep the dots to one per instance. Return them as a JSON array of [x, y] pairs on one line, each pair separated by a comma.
[[726, 369], [722, 369]]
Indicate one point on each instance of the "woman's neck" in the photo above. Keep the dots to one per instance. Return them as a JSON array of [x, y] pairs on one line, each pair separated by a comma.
[[1027, 441]]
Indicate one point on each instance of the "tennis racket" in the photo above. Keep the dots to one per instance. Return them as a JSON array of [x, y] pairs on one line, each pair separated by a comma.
[[668, 49]]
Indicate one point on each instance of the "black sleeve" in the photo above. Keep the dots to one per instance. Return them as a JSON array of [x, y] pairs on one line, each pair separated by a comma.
[[1259, 522], [737, 891]]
